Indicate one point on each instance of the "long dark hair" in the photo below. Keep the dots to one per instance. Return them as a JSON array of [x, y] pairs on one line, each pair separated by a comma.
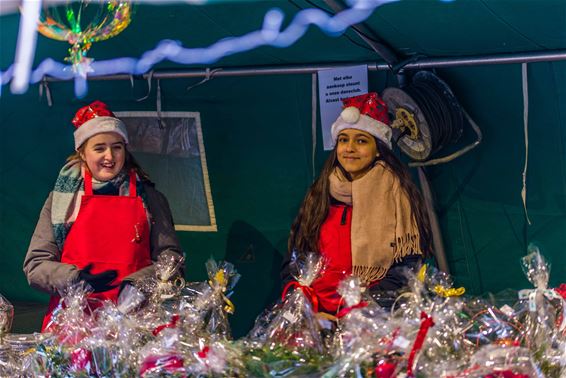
[[129, 164], [305, 230]]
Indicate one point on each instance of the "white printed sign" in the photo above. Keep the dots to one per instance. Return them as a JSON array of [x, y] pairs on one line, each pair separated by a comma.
[[333, 86]]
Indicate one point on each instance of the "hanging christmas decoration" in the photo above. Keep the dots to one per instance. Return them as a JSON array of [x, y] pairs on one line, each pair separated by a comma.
[[81, 23]]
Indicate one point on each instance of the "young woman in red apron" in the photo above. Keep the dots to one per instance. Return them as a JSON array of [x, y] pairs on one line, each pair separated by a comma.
[[363, 213], [105, 237]]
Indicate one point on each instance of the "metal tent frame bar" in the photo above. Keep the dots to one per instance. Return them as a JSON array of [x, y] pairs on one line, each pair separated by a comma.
[[424, 63]]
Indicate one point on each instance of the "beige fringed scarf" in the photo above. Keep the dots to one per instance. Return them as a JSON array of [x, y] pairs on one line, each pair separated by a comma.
[[383, 230]]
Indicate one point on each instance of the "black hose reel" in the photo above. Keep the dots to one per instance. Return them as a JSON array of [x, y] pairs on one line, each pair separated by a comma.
[[426, 117]]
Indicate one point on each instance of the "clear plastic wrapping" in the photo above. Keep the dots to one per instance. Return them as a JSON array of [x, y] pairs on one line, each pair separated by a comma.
[[364, 341], [286, 339], [6, 316], [541, 312], [205, 306]]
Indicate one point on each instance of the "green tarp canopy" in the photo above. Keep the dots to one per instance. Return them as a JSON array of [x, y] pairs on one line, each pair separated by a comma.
[[258, 136]]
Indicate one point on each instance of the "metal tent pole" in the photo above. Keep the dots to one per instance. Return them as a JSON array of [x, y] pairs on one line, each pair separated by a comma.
[[546, 56]]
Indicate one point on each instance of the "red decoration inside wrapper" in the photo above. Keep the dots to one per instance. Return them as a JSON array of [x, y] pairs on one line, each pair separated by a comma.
[[168, 364], [81, 360]]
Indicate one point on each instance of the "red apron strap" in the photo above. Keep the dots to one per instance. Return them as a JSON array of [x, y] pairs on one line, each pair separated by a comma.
[[133, 183], [88, 182]]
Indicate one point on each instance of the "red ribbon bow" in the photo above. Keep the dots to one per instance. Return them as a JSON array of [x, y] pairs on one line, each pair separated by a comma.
[[204, 352], [385, 369], [426, 323], [86, 113], [307, 291], [561, 290], [171, 324], [346, 310]]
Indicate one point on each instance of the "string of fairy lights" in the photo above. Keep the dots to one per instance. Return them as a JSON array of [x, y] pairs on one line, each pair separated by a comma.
[[21, 73]]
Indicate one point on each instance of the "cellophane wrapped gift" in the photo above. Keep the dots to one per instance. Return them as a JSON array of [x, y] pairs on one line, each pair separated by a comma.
[[6, 316], [8, 364], [163, 357], [491, 319], [286, 339], [205, 306], [541, 313], [162, 291], [6, 357], [71, 322], [444, 350], [494, 361], [410, 321], [194, 340], [219, 358], [364, 342], [112, 347]]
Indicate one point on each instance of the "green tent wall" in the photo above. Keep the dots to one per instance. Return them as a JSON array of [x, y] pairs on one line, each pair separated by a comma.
[[257, 135]]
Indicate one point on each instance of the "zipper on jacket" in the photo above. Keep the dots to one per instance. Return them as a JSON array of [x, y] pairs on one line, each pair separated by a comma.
[[344, 215]]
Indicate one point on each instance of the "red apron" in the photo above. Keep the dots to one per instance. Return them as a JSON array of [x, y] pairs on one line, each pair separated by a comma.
[[110, 232], [335, 245]]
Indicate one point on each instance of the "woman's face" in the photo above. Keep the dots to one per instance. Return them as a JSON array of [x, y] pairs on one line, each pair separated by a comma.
[[356, 150], [104, 155]]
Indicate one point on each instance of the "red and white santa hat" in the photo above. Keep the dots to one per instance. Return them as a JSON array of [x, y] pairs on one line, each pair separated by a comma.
[[366, 112], [94, 119]]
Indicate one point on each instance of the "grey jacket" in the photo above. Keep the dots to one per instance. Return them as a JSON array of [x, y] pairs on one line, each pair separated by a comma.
[[45, 271]]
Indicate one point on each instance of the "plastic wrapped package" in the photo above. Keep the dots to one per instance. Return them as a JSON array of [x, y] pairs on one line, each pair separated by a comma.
[[493, 361], [444, 351], [23, 348], [294, 324], [541, 312], [410, 304], [217, 359], [429, 316], [168, 273], [286, 339], [205, 306], [167, 282], [8, 366], [162, 356], [489, 324], [162, 290], [364, 342], [6, 316], [114, 343], [543, 306], [192, 339], [50, 359], [71, 321]]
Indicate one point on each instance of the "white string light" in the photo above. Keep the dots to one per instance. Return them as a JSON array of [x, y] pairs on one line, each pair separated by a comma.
[[269, 35]]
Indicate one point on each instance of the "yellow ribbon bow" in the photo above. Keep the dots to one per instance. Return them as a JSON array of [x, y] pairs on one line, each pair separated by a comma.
[[221, 281], [449, 291]]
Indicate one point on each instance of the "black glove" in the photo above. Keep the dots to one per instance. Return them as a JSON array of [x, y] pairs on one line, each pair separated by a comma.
[[100, 281]]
